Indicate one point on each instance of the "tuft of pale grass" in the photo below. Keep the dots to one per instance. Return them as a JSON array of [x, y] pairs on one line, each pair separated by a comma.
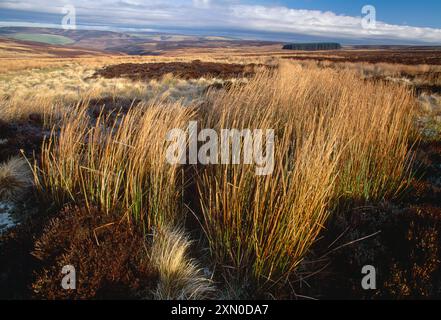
[[15, 179], [179, 276]]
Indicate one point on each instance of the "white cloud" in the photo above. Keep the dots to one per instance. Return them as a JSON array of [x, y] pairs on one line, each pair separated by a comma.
[[202, 3], [226, 14], [312, 22]]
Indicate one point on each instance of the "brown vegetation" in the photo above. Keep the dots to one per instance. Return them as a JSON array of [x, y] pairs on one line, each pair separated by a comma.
[[194, 70], [109, 257], [401, 239], [406, 56]]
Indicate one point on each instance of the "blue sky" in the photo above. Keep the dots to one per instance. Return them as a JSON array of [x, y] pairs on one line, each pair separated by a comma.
[[425, 13], [396, 21]]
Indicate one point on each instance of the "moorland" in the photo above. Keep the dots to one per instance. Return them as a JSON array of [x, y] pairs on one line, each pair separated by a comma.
[[84, 179]]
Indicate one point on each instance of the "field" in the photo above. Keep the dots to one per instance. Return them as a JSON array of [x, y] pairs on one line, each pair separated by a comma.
[[44, 38], [85, 178]]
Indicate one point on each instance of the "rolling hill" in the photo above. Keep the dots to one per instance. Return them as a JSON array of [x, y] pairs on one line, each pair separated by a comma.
[[129, 43], [11, 48]]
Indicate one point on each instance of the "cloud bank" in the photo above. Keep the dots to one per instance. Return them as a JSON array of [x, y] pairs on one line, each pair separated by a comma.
[[223, 15]]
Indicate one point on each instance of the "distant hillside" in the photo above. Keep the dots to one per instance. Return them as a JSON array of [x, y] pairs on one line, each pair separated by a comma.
[[10, 48], [97, 40], [139, 43], [313, 46]]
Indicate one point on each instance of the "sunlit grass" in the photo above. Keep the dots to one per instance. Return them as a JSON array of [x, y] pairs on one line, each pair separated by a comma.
[[339, 139]]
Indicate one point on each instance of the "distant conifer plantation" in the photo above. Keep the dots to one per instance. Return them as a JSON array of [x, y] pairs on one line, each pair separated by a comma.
[[312, 46]]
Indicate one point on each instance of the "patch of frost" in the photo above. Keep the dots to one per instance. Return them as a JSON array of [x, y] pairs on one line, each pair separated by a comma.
[[6, 220]]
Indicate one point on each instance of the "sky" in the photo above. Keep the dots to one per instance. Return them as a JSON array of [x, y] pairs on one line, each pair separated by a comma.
[[401, 21]]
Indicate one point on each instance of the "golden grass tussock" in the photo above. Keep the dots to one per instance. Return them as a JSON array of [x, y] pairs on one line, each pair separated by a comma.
[[264, 225], [180, 278], [337, 138], [374, 128], [117, 164], [15, 179]]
